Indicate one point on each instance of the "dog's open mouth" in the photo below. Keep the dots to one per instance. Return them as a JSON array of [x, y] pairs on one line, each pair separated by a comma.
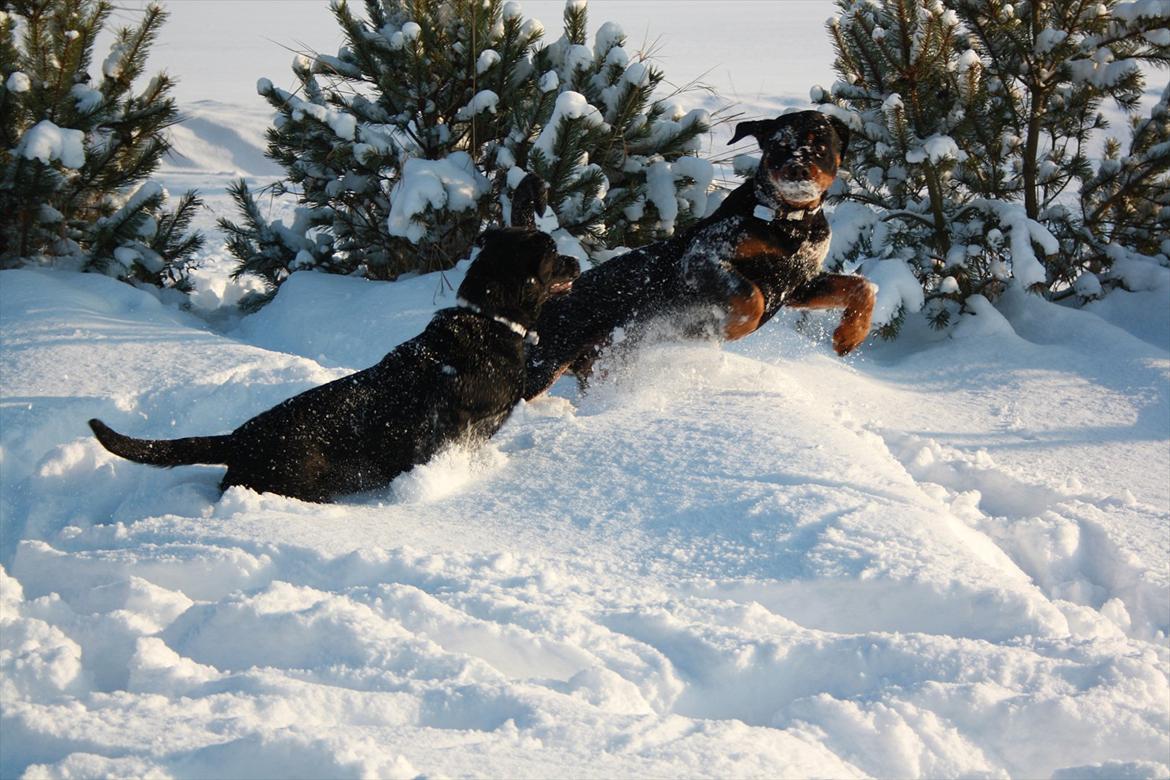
[[560, 288]]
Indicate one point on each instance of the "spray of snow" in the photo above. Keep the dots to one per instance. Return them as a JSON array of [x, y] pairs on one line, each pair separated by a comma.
[[452, 470]]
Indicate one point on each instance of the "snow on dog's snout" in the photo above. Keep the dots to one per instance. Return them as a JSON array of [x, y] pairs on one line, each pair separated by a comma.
[[797, 190]]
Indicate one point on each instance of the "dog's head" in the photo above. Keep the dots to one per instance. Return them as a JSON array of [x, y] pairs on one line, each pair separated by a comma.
[[516, 271], [802, 152]]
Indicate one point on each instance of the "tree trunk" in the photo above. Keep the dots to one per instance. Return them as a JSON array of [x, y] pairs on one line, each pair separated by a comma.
[[942, 241], [1031, 150], [1035, 108]]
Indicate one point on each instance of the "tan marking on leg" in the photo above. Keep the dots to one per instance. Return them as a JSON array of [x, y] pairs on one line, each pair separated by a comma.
[[855, 294], [856, 318], [746, 313]]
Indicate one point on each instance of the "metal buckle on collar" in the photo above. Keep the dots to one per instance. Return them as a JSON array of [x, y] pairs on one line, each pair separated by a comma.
[[764, 213]]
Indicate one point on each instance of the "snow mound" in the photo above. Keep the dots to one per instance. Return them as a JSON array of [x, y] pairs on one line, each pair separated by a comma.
[[753, 559], [213, 139]]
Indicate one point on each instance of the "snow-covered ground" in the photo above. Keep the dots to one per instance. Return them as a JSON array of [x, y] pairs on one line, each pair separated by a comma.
[[946, 556]]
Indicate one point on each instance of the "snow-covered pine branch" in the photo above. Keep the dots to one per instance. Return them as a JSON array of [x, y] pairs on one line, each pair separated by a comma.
[[408, 141], [972, 123], [77, 151]]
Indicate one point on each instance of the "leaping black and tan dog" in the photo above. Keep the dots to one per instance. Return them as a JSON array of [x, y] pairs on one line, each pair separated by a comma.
[[455, 382], [760, 250]]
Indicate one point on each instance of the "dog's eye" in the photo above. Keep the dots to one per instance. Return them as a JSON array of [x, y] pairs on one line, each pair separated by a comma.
[[820, 148]]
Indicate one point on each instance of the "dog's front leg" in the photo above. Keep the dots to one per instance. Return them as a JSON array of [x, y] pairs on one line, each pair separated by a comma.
[[855, 294]]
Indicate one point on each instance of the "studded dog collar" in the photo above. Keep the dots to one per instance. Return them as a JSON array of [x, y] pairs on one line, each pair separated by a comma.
[[528, 335]]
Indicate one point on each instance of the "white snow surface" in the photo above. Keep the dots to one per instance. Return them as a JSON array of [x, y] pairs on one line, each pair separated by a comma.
[[943, 556], [754, 559]]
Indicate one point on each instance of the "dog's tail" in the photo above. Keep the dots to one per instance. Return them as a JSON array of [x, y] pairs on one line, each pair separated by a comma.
[[163, 452]]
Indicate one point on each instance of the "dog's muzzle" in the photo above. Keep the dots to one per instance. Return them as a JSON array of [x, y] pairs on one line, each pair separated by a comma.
[[568, 269], [799, 184]]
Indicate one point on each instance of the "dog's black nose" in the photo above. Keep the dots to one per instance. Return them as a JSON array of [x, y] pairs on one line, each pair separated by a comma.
[[795, 170]]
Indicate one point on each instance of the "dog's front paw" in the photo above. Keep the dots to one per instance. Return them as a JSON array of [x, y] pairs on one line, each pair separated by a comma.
[[848, 336], [856, 319]]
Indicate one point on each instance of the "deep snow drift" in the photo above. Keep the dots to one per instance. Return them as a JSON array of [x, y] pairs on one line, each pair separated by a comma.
[[934, 560], [946, 556]]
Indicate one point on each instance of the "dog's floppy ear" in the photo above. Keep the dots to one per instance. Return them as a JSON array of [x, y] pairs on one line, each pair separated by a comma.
[[532, 188], [529, 201], [755, 128], [842, 131]]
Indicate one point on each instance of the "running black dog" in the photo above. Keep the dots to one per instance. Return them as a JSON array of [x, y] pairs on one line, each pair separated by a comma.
[[729, 273], [455, 382]]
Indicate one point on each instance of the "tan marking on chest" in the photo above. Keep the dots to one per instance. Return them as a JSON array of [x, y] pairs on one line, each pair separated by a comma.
[[754, 248], [812, 254]]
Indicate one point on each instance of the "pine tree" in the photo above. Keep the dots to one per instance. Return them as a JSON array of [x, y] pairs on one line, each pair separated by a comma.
[[76, 154], [404, 145], [1125, 202], [974, 120]]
